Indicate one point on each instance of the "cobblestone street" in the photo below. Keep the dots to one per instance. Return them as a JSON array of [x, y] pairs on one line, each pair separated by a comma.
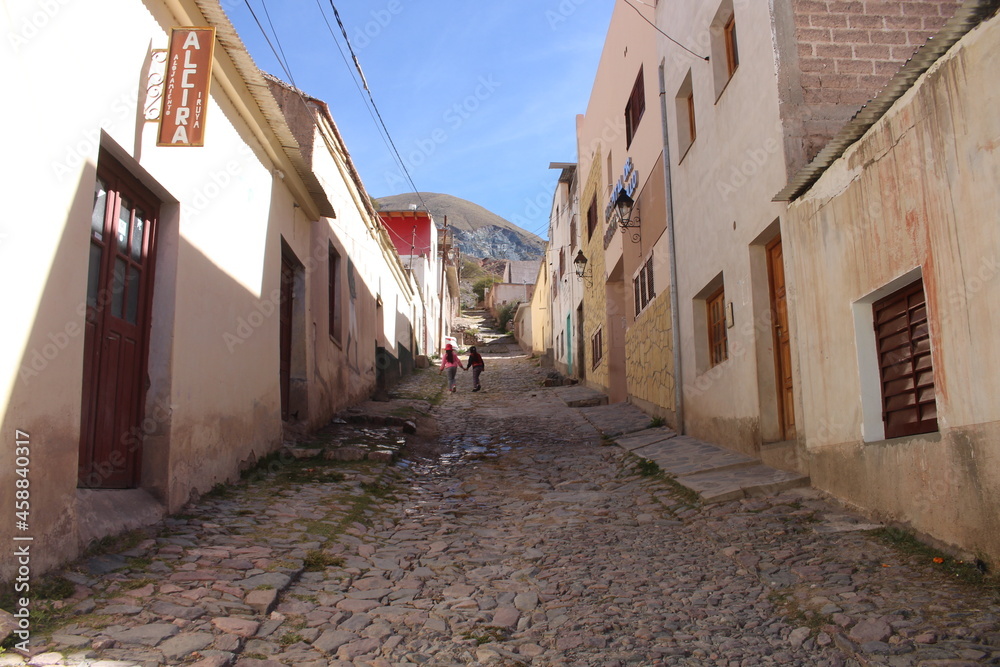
[[516, 535]]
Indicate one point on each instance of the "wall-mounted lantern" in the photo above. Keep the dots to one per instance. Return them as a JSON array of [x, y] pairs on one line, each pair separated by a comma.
[[625, 205], [580, 266]]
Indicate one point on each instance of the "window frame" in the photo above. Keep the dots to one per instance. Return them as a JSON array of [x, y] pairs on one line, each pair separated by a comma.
[[597, 347], [684, 108], [642, 285], [635, 108], [732, 46], [916, 327], [718, 339], [334, 298], [592, 217]]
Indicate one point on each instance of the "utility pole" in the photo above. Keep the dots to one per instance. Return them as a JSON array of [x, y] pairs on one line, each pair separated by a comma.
[[444, 239]]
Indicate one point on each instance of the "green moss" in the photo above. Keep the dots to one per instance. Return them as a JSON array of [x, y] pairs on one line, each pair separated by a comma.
[[290, 638], [317, 561], [488, 634]]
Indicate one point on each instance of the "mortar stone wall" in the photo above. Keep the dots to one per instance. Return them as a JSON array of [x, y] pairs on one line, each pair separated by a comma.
[[848, 50]]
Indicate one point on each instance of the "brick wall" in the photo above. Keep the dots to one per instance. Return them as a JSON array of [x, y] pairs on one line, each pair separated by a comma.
[[848, 50]]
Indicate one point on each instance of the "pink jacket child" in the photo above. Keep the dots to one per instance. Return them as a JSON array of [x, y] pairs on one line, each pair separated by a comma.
[[450, 362]]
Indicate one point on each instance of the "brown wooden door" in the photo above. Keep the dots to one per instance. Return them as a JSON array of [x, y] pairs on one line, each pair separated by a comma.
[[119, 291], [782, 341], [285, 342]]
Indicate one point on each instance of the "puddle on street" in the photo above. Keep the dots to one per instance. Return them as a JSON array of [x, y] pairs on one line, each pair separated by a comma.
[[459, 450]]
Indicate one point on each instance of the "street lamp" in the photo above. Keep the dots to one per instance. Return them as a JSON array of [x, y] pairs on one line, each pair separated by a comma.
[[580, 266], [624, 205]]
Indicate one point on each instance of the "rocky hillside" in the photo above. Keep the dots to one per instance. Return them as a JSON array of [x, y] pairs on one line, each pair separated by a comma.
[[478, 232]]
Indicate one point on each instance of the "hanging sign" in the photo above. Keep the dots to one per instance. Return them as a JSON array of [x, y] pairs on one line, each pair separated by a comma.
[[185, 89]]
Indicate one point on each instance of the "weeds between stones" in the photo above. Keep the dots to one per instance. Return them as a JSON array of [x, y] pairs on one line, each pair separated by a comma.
[[975, 573], [290, 638], [652, 470], [488, 634], [46, 595], [317, 561], [786, 604]]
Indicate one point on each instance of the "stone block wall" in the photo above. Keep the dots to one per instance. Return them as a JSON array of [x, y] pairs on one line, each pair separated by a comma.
[[649, 360], [847, 52]]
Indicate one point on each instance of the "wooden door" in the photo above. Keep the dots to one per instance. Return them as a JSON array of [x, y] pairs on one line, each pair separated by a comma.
[[782, 341], [285, 342], [119, 294]]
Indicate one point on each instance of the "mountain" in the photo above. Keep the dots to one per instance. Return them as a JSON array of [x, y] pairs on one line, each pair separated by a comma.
[[476, 231]]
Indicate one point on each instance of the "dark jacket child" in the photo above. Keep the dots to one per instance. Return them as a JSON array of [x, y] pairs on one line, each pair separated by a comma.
[[475, 362]]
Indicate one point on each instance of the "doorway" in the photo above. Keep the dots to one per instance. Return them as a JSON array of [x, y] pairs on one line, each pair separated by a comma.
[[287, 299], [569, 345], [580, 342], [116, 339], [782, 339]]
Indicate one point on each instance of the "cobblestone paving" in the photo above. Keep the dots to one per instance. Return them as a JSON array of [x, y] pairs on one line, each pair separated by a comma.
[[521, 539]]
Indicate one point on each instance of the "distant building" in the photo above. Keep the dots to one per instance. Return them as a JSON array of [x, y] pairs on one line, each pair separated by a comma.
[[565, 288], [423, 250], [521, 272]]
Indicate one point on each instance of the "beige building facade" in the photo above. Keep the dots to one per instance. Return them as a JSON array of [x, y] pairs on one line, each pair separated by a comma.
[[896, 245], [180, 310], [620, 147], [750, 95], [565, 288]]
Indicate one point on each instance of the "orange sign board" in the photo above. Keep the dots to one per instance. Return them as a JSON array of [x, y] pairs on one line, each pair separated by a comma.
[[185, 88]]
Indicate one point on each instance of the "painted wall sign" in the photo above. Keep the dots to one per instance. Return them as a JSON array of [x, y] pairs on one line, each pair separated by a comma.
[[185, 90], [628, 182]]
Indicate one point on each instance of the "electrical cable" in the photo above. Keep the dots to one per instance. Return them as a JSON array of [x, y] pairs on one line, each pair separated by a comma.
[[357, 64], [705, 58], [343, 55]]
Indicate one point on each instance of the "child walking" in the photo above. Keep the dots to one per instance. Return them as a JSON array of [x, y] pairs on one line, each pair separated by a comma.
[[450, 361], [475, 362]]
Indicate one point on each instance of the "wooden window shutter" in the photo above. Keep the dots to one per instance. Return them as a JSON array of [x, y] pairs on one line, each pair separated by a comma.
[[904, 357]]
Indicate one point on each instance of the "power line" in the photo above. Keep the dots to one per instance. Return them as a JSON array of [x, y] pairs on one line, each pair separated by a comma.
[[357, 64], [279, 55], [279, 58], [343, 55], [705, 58]]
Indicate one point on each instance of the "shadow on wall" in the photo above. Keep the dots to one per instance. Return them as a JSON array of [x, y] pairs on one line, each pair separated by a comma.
[[211, 386]]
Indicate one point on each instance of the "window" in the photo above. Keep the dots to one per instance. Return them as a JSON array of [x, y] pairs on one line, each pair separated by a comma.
[[642, 284], [562, 262], [634, 108], [718, 345], [572, 231], [732, 56], [725, 52], [333, 269], [904, 361], [592, 217], [597, 346], [692, 128], [684, 106]]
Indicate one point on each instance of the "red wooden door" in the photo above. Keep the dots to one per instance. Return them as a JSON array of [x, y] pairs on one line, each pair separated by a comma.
[[285, 335], [119, 291], [782, 340]]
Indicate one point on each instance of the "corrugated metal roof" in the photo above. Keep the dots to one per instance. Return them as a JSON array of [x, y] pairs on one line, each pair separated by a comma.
[[967, 17]]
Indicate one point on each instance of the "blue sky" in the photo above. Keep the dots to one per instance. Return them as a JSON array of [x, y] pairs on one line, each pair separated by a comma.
[[478, 97]]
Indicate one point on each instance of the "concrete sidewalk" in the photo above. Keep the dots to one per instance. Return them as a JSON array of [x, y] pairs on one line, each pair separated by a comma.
[[715, 473]]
